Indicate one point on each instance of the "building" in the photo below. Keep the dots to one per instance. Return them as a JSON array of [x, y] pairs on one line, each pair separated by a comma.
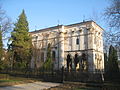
[[84, 39]]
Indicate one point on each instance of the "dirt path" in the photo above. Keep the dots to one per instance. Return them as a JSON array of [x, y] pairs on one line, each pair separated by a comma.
[[31, 86]]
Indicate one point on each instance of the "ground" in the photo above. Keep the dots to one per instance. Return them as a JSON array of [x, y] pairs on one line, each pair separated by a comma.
[[20, 83], [62, 86], [86, 86], [31, 86], [73, 86]]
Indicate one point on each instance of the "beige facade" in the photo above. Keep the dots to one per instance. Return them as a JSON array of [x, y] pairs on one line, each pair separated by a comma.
[[85, 37]]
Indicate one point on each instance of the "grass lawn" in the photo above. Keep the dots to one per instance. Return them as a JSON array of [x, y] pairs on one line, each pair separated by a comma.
[[6, 80], [3, 81]]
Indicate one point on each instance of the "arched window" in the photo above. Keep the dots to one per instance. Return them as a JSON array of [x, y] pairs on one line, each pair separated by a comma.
[[77, 41]]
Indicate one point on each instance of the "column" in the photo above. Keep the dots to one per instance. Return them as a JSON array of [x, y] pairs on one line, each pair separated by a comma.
[[61, 48]]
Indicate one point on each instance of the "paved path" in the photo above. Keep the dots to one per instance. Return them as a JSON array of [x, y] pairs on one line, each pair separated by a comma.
[[31, 86]]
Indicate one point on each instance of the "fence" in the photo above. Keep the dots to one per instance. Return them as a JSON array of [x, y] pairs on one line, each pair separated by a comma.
[[57, 75]]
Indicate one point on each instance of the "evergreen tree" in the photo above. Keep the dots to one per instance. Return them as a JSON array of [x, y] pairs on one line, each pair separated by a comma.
[[105, 62], [112, 65], [48, 63], [21, 41], [112, 60]]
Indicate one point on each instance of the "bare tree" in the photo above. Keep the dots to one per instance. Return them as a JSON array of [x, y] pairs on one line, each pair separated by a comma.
[[112, 17], [4, 27], [5, 24], [96, 16], [112, 13]]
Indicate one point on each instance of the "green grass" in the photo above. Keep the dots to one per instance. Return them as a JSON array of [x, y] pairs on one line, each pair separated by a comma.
[[2, 81], [6, 80]]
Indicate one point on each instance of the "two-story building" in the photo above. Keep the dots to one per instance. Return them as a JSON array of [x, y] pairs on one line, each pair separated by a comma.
[[84, 38]]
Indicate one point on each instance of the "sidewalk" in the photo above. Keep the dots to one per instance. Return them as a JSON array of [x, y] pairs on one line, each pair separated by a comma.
[[31, 86]]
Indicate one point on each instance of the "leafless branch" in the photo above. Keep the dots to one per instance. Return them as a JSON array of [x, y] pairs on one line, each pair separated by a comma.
[[112, 14], [5, 23], [112, 17]]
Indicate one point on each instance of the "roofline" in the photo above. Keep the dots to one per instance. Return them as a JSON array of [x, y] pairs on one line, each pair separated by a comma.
[[84, 23], [97, 25], [40, 30], [78, 23], [55, 27]]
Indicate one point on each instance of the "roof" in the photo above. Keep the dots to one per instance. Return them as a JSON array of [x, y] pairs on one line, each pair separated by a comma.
[[59, 26], [46, 29], [84, 22], [79, 23]]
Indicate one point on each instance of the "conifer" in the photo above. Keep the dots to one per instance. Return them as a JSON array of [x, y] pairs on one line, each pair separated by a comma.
[[21, 41]]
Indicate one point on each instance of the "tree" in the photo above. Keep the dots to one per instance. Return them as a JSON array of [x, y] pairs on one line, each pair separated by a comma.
[[105, 62], [48, 63], [112, 64], [112, 60], [36, 52], [5, 26], [21, 42], [1, 48], [113, 13], [112, 16], [1, 45]]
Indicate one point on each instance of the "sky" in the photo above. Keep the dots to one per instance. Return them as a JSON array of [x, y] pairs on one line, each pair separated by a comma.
[[46, 13]]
